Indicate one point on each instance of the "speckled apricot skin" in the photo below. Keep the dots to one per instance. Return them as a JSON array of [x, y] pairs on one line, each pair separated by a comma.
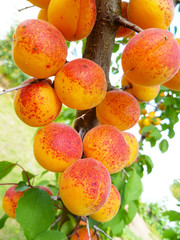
[[85, 186], [151, 13], [134, 147], [106, 144], [74, 18], [151, 58], [174, 83], [110, 208], [40, 3], [142, 93], [81, 84], [42, 15], [39, 49], [123, 31], [37, 104], [56, 146], [82, 234], [119, 109]]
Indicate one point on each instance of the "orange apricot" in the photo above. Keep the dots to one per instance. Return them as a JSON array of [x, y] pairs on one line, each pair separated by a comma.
[[43, 14], [123, 31], [75, 19], [110, 208], [151, 13], [56, 146], [37, 104], [174, 83], [39, 49], [107, 144], [40, 3], [142, 93], [152, 57], [82, 234], [81, 84], [134, 147], [119, 109], [84, 186]]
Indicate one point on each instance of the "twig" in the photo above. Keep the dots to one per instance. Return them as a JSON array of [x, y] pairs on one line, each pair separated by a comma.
[[8, 184], [100, 230], [125, 23], [19, 10], [87, 226], [82, 132], [25, 174], [55, 222]]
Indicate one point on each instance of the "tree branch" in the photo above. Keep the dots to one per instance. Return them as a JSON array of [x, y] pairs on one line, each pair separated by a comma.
[[125, 23], [19, 10]]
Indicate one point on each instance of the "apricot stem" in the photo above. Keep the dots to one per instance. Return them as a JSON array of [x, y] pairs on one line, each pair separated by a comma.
[[25, 174], [87, 226], [125, 23]]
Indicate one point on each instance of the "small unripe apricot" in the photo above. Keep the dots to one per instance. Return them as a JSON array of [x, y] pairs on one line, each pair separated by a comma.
[[81, 84], [40, 3], [162, 107], [43, 14], [151, 114], [82, 234], [56, 146], [119, 109], [151, 58], [75, 19], [147, 122], [39, 49], [143, 111], [85, 186], [140, 122], [107, 144], [37, 104], [157, 121], [110, 208]]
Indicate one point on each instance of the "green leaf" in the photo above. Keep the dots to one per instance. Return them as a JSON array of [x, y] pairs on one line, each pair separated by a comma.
[[5, 168], [133, 188], [54, 235], [155, 133], [146, 160], [3, 220], [173, 215], [130, 212], [148, 128], [115, 47], [171, 132], [30, 175], [163, 145], [35, 212], [67, 227], [21, 187], [175, 189], [171, 114], [171, 234]]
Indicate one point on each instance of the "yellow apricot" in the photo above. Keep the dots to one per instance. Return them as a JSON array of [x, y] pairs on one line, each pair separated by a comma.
[[43, 14], [151, 13], [81, 84], [151, 58], [75, 19], [119, 109], [162, 107], [147, 122], [151, 114], [39, 49], [85, 186], [40, 3], [140, 122], [82, 234], [157, 121], [110, 208], [143, 111], [162, 94], [37, 104], [134, 147]]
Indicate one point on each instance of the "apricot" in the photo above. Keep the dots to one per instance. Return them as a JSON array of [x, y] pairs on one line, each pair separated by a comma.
[[11, 198], [107, 144], [151, 13], [43, 14], [119, 109], [81, 84], [56, 146], [174, 83], [123, 31], [40, 3], [134, 147], [142, 93], [110, 208], [85, 186], [82, 234], [37, 104], [39, 49], [75, 19], [150, 58]]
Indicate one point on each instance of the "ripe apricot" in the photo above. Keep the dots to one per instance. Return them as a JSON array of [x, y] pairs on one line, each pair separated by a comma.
[[82, 234], [39, 49], [134, 147], [119, 109], [123, 31], [43, 14], [56, 146], [110, 208], [81, 84], [40, 3], [75, 19], [151, 13], [152, 57], [85, 186], [37, 104], [107, 144], [174, 83], [142, 93]]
